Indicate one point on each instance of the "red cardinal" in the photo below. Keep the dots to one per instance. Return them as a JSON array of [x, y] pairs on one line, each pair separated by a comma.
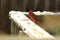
[[34, 17]]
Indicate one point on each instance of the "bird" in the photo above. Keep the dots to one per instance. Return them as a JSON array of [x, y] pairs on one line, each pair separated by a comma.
[[35, 18], [32, 16]]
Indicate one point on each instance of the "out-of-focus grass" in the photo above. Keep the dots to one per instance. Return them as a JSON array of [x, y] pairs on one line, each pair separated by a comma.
[[56, 30]]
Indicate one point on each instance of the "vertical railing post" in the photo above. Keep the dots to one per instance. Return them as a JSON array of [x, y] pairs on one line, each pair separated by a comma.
[[3, 14], [14, 5], [25, 2], [35, 4], [47, 3], [57, 5]]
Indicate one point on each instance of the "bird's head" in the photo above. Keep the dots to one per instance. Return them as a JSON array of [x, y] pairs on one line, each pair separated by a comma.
[[30, 12]]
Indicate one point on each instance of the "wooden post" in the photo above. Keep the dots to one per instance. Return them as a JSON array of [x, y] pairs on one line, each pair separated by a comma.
[[35, 4], [57, 5], [14, 5], [47, 5], [4, 17], [0, 12], [3, 14], [25, 5]]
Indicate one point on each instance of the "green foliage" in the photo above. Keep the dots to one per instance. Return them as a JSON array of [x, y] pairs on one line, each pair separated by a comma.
[[56, 30]]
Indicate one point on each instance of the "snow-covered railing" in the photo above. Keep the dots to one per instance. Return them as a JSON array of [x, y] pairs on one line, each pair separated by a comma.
[[43, 13], [28, 26]]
